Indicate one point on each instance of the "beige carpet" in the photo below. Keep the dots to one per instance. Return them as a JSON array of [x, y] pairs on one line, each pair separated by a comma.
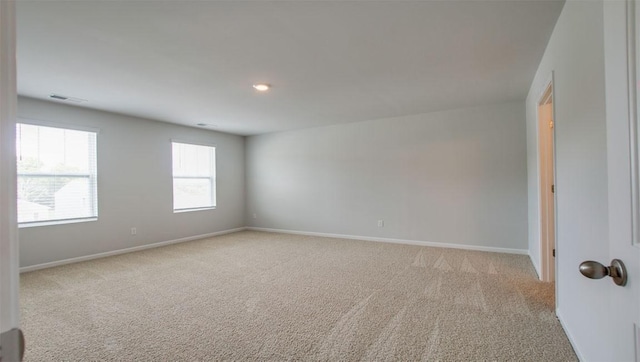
[[274, 297]]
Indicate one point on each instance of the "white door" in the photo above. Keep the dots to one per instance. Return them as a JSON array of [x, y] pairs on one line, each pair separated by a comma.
[[9, 335], [623, 316]]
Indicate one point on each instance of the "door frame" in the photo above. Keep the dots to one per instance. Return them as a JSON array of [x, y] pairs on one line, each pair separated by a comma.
[[633, 84], [546, 197], [10, 335]]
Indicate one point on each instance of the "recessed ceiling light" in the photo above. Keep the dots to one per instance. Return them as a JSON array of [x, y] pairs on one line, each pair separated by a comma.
[[261, 87]]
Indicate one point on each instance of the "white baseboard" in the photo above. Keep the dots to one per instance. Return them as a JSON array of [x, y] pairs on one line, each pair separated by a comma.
[[536, 266], [569, 336], [203, 236], [397, 241], [127, 250]]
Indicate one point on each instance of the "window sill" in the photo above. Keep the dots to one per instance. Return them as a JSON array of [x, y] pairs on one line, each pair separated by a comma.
[[55, 222], [179, 211]]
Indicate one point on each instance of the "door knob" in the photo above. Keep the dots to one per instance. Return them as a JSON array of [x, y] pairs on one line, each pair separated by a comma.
[[594, 270]]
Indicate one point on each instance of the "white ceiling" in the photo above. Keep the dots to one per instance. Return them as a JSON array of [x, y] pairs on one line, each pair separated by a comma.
[[329, 62]]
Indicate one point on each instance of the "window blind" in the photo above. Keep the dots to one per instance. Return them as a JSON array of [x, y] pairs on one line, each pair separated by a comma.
[[194, 176], [57, 174]]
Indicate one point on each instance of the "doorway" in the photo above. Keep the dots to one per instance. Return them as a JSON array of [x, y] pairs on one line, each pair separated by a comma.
[[547, 183]]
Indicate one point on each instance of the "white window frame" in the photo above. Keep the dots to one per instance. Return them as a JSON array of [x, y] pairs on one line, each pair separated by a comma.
[[211, 178], [92, 175]]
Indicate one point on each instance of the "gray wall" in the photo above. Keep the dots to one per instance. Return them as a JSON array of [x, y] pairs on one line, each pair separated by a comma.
[[575, 54], [455, 177], [134, 186]]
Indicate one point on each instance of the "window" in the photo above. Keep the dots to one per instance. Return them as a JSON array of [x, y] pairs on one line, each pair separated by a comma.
[[194, 176], [56, 174]]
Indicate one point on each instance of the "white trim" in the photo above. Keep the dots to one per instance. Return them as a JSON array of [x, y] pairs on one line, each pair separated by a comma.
[[569, 336], [194, 143], [632, 82], [178, 211], [548, 267], [538, 205], [536, 266], [9, 279], [60, 125], [90, 175], [33, 224], [282, 231], [396, 241], [213, 181], [127, 250]]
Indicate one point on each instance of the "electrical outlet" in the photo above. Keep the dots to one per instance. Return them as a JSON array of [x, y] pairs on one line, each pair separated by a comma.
[[255, 216], [380, 223], [134, 231]]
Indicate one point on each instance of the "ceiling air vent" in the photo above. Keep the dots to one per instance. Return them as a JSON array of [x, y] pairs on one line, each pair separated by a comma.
[[206, 125], [67, 99]]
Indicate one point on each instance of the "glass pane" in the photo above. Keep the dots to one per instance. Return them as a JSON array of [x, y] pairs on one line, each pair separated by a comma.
[[192, 160], [191, 193], [193, 176], [56, 173], [53, 150], [42, 198]]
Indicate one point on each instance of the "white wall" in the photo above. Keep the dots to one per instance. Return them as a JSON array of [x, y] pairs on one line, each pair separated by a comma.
[[455, 177], [575, 54], [134, 186]]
